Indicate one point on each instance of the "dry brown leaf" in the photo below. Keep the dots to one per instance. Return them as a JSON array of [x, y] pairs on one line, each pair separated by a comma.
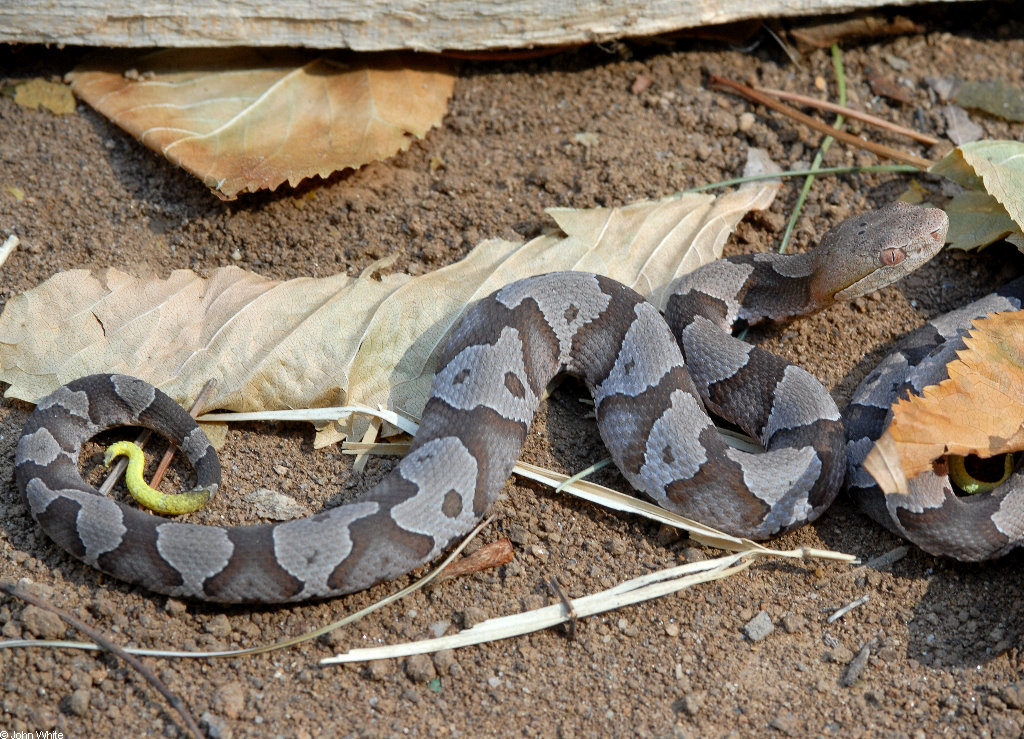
[[39, 93], [487, 557], [335, 340], [246, 119], [978, 410], [821, 34]]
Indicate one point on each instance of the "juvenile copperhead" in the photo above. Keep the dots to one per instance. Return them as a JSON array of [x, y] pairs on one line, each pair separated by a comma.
[[492, 373]]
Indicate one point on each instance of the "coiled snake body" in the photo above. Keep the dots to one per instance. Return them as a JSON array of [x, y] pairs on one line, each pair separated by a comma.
[[650, 406], [931, 514]]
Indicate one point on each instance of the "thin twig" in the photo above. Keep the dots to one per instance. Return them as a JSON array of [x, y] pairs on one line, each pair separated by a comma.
[[570, 612], [880, 149], [859, 115], [175, 702], [846, 609]]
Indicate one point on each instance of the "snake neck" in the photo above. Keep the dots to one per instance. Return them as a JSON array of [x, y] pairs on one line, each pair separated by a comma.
[[745, 290]]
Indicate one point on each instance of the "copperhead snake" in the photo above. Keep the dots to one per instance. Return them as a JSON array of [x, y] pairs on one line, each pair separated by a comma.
[[650, 404]]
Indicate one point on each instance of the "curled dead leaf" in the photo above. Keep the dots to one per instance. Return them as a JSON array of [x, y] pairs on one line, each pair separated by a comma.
[[978, 410]]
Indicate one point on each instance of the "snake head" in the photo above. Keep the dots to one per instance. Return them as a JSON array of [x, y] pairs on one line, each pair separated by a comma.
[[869, 251]]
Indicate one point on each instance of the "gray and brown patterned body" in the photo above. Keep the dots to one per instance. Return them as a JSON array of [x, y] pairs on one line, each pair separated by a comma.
[[493, 371], [968, 528]]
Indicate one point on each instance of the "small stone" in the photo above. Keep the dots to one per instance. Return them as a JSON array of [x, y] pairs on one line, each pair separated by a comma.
[[640, 84], [787, 723], [472, 616], [216, 727], [615, 547], [236, 255], [230, 697], [420, 668], [793, 622], [693, 554], [38, 589], [1004, 727], [1013, 695], [332, 639], [994, 701], [839, 655], [175, 607], [746, 121], [275, 506], [672, 628], [80, 679], [494, 682], [759, 627], [79, 701], [539, 551], [103, 607], [627, 628], [438, 628], [520, 535], [377, 669], [443, 661], [888, 654], [668, 535], [42, 623], [218, 626], [280, 469], [691, 703]]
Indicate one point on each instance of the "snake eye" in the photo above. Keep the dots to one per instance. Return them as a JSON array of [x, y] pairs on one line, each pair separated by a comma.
[[892, 256]]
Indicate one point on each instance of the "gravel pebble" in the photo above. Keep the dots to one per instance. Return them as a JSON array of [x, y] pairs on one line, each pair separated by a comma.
[[472, 616], [216, 727], [175, 607], [691, 703], [420, 668], [444, 660], [759, 627], [793, 622], [218, 626], [1013, 695], [42, 623], [377, 669], [230, 698], [787, 723], [78, 702]]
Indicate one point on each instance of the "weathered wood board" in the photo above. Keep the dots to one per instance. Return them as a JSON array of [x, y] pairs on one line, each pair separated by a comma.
[[374, 25]]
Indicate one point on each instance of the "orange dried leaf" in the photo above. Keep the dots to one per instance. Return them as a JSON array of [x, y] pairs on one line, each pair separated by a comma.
[[978, 410], [246, 119], [491, 555]]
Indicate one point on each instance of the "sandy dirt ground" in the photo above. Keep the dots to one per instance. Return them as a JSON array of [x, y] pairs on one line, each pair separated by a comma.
[[945, 638]]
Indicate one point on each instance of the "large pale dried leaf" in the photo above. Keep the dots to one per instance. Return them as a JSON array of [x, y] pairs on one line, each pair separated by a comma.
[[245, 119], [978, 410], [335, 340], [995, 168]]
